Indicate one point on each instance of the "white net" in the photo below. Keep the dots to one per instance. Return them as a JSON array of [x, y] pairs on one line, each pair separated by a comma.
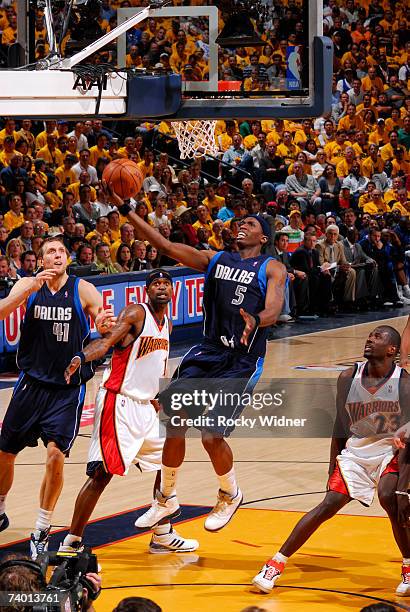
[[195, 137]]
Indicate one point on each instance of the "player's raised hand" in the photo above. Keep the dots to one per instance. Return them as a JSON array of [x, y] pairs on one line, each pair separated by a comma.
[[38, 281], [72, 368], [250, 324], [105, 320]]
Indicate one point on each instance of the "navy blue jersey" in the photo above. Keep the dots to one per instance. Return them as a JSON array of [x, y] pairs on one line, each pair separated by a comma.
[[233, 283], [53, 330]]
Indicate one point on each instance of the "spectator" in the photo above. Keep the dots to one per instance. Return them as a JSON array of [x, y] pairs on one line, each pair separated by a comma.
[[330, 187], [28, 264], [85, 211], [367, 280], [293, 230], [126, 237], [332, 258], [376, 250], [139, 251], [103, 259], [306, 259], [123, 256], [304, 188]]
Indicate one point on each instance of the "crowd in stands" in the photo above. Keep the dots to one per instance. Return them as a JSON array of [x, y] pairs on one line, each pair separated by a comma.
[[334, 189]]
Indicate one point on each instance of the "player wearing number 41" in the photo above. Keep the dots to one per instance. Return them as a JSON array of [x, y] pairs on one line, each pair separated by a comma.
[[372, 413], [42, 405], [243, 297]]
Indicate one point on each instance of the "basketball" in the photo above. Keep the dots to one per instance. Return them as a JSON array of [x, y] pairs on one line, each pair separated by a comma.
[[124, 176]]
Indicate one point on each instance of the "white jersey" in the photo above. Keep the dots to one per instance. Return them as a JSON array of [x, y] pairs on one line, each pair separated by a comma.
[[135, 371], [375, 414]]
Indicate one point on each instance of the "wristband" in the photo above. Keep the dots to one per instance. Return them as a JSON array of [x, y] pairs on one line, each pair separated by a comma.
[[124, 209], [402, 493], [81, 355], [257, 320]]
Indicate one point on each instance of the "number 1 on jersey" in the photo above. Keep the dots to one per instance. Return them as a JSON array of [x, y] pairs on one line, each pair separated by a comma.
[[61, 330]]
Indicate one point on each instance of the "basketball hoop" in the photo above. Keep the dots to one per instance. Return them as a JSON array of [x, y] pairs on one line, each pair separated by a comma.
[[196, 138]]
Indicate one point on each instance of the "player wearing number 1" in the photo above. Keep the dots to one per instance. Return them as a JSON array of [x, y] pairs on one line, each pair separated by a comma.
[[42, 406], [243, 296], [373, 405]]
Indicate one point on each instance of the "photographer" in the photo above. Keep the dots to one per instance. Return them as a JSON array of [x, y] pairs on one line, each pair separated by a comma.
[[20, 574]]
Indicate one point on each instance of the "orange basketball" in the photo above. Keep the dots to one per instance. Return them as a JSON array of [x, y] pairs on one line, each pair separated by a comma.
[[124, 176]]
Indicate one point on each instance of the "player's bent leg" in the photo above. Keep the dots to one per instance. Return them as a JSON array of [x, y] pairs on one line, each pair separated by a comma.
[[388, 500], [229, 495], [7, 461], [85, 504], [266, 579]]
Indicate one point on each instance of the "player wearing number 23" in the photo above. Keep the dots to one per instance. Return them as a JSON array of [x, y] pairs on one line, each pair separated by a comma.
[[42, 406]]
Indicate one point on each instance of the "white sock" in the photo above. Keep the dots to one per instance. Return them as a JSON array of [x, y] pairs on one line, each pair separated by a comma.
[[70, 539], [162, 529], [227, 482], [406, 287], [279, 558], [168, 480], [3, 504], [43, 519]]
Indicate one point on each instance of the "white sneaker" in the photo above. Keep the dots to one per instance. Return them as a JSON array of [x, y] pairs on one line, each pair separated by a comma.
[[271, 571], [404, 587], [162, 507], [171, 542], [39, 542], [75, 547], [224, 509]]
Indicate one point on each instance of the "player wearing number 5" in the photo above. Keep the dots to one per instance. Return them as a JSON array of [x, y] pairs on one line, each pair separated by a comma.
[[243, 296], [42, 406], [372, 404]]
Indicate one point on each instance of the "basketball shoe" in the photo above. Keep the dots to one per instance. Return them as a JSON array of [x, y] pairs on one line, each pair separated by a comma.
[[39, 542], [161, 508], [74, 547], [404, 587], [271, 571], [224, 509], [171, 542], [4, 522]]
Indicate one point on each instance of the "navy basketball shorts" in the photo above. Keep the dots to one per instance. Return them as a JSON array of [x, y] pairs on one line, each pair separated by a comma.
[[37, 410], [230, 376]]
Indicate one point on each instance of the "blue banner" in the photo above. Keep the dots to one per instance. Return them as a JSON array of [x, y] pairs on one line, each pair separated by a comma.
[[122, 289]]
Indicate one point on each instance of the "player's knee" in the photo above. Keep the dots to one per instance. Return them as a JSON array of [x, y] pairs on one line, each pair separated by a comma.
[[98, 475], [387, 500], [327, 509], [54, 456], [210, 442]]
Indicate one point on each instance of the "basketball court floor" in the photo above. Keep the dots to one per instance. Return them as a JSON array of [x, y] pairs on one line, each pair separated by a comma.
[[352, 561]]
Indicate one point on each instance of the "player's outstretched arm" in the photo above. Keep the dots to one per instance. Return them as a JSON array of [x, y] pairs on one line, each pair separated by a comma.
[[22, 290], [130, 318], [405, 346], [341, 427], [183, 253], [92, 302], [276, 275]]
